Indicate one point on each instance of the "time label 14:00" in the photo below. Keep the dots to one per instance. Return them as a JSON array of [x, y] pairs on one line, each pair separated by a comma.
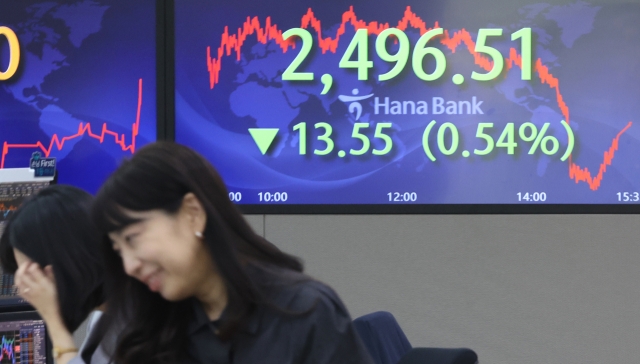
[[447, 140]]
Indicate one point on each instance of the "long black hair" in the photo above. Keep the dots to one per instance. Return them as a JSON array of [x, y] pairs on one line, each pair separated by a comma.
[[158, 176], [55, 228]]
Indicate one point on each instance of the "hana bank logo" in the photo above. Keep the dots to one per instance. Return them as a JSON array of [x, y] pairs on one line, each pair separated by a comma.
[[435, 106], [354, 105]]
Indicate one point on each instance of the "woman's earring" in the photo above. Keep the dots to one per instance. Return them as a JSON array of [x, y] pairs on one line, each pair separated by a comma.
[[198, 235]]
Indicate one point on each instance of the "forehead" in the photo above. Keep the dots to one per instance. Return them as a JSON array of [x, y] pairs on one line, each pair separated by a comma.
[[141, 218], [141, 215]]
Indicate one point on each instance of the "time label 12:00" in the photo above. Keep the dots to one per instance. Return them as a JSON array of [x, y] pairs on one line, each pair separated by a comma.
[[402, 196]]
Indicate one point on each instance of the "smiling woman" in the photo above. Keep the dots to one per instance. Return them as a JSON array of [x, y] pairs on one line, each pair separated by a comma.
[[193, 283], [150, 254]]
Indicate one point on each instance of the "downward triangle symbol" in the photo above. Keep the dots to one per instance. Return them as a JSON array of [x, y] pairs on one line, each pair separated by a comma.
[[263, 137]]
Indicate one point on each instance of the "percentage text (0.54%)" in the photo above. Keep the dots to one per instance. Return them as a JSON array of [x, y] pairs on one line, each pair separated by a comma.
[[448, 139]]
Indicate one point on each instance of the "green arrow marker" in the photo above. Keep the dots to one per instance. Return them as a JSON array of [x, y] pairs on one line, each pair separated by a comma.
[[263, 137]]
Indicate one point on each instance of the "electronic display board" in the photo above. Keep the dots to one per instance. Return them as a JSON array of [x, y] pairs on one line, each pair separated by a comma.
[[77, 83], [437, 103]]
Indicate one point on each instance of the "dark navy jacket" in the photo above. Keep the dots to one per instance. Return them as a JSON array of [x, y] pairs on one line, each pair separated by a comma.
[[324, 335]]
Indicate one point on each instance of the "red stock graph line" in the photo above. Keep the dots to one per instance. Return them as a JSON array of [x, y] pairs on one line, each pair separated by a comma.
[[4, 207], [6, 210], [270, 32], [84, 129]]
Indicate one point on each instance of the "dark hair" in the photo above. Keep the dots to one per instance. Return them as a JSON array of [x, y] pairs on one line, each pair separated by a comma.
[[158, 176], [55, 228]]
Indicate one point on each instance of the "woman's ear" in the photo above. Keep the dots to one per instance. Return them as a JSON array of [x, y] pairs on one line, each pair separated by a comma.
[[194, 211]]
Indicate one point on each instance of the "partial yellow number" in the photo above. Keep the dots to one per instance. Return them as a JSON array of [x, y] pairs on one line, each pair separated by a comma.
[[14, 53]]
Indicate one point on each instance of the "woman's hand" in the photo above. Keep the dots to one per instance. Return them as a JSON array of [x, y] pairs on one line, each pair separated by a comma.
[[38, 287]]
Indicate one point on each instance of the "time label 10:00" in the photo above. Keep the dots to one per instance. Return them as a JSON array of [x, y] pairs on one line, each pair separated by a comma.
[[360, 47], [262, 196]]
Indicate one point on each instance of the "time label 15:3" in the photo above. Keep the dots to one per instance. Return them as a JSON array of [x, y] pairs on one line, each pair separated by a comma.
[[628, 196]]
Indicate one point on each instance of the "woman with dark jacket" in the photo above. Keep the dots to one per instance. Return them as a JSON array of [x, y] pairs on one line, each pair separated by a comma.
[[195, 284]]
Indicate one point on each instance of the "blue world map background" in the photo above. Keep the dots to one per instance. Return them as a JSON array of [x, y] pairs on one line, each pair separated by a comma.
[[589, 47], [81, 63]]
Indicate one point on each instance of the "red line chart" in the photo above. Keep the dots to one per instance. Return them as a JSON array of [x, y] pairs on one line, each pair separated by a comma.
[[84, 129]]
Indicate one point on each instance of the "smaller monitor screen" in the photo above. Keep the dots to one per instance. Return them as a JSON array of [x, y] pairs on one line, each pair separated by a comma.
[[83, 89], [23, 339], [12, 195]]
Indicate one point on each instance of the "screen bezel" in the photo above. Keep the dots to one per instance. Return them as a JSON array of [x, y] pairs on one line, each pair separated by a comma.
[[10, 304], [165, 71], [444, 209], [166, 131]]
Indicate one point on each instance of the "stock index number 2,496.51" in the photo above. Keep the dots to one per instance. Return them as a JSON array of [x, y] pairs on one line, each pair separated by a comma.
[[359, 49]]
